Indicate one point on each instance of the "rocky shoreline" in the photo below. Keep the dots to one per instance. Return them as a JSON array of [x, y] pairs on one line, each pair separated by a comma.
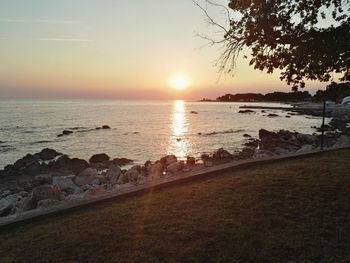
[[48, 178]]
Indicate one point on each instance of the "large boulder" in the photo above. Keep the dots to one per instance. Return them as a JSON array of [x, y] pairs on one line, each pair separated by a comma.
[[66, 165], [113, 174], [222, 155], [99, 158], [66, 184], [165, 161], [133, 173], [153, 170], [42, 192], [85, 177], [246, 153], [47, 154]]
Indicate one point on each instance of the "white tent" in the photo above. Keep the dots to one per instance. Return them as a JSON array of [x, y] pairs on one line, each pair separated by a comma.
[[346, 100]]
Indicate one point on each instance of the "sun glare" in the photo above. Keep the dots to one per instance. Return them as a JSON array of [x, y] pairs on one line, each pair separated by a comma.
[[179, 81]]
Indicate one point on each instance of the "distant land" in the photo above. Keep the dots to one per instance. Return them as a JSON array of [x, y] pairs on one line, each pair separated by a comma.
[[333, 92]]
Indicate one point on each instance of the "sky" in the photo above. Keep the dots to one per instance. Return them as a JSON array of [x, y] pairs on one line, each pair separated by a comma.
[[114, 49]]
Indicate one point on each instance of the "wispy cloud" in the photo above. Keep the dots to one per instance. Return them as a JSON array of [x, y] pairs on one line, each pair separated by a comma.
[[63, 39], [40, 21]]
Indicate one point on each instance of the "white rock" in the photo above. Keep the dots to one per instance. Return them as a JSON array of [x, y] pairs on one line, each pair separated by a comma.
[[65, 183]]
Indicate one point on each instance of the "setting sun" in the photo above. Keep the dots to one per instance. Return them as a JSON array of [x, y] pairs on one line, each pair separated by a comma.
[[179, 81]]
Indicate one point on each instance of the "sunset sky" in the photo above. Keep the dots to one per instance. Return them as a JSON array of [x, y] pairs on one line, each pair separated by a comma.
[[115, 49]]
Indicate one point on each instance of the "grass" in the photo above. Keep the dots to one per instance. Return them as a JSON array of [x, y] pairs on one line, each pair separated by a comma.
[[291, 211]]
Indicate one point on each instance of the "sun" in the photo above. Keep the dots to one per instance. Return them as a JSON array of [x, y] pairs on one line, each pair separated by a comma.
[[179, 81]]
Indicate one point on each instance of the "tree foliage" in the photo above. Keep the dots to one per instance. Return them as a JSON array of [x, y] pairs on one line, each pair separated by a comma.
[[334, 92], [304, 39]]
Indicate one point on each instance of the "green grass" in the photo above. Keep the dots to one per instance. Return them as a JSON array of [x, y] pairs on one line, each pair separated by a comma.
[[291, 211]]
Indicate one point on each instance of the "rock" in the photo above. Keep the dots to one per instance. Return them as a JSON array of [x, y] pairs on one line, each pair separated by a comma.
[[98, 158], [246, 153], [98, 190], [272, 115], [26, 161], [165, 161], [194, 112], [246, 135], [85, 177], [47, 154], [142, 179], [65, 166], [42, 192], [66, 184], [46, 203], [123, 178], [133, 173], [288, 116], [7, 204], [105, 127], [42, 179], [113, 174], [46, 192], [190, 160], [175, 167], [222, 155], [306, 148], [246, 111], [64, 133], [154, 170], [270, 141]]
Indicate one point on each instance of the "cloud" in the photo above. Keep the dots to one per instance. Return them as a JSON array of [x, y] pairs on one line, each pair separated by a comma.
[[63, 39], [40, 21]]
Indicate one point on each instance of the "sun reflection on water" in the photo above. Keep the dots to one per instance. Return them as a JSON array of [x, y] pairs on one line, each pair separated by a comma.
[[178, 144]]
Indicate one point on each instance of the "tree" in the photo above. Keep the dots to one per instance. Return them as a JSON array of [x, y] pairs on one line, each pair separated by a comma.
[[305, 39], [334, 92]]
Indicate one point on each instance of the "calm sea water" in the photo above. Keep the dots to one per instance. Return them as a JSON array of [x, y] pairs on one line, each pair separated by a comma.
[[140, 130]]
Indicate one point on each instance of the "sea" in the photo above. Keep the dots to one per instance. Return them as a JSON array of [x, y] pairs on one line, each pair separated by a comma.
[[139, 130]]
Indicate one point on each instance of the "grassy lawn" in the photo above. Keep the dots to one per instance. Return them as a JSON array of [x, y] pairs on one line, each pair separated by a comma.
[[291, 211]]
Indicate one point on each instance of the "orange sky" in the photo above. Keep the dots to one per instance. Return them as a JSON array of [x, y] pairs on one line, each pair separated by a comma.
[[115, 49]]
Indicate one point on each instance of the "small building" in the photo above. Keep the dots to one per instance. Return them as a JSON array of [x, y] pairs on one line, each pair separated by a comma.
[[346, 100]]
